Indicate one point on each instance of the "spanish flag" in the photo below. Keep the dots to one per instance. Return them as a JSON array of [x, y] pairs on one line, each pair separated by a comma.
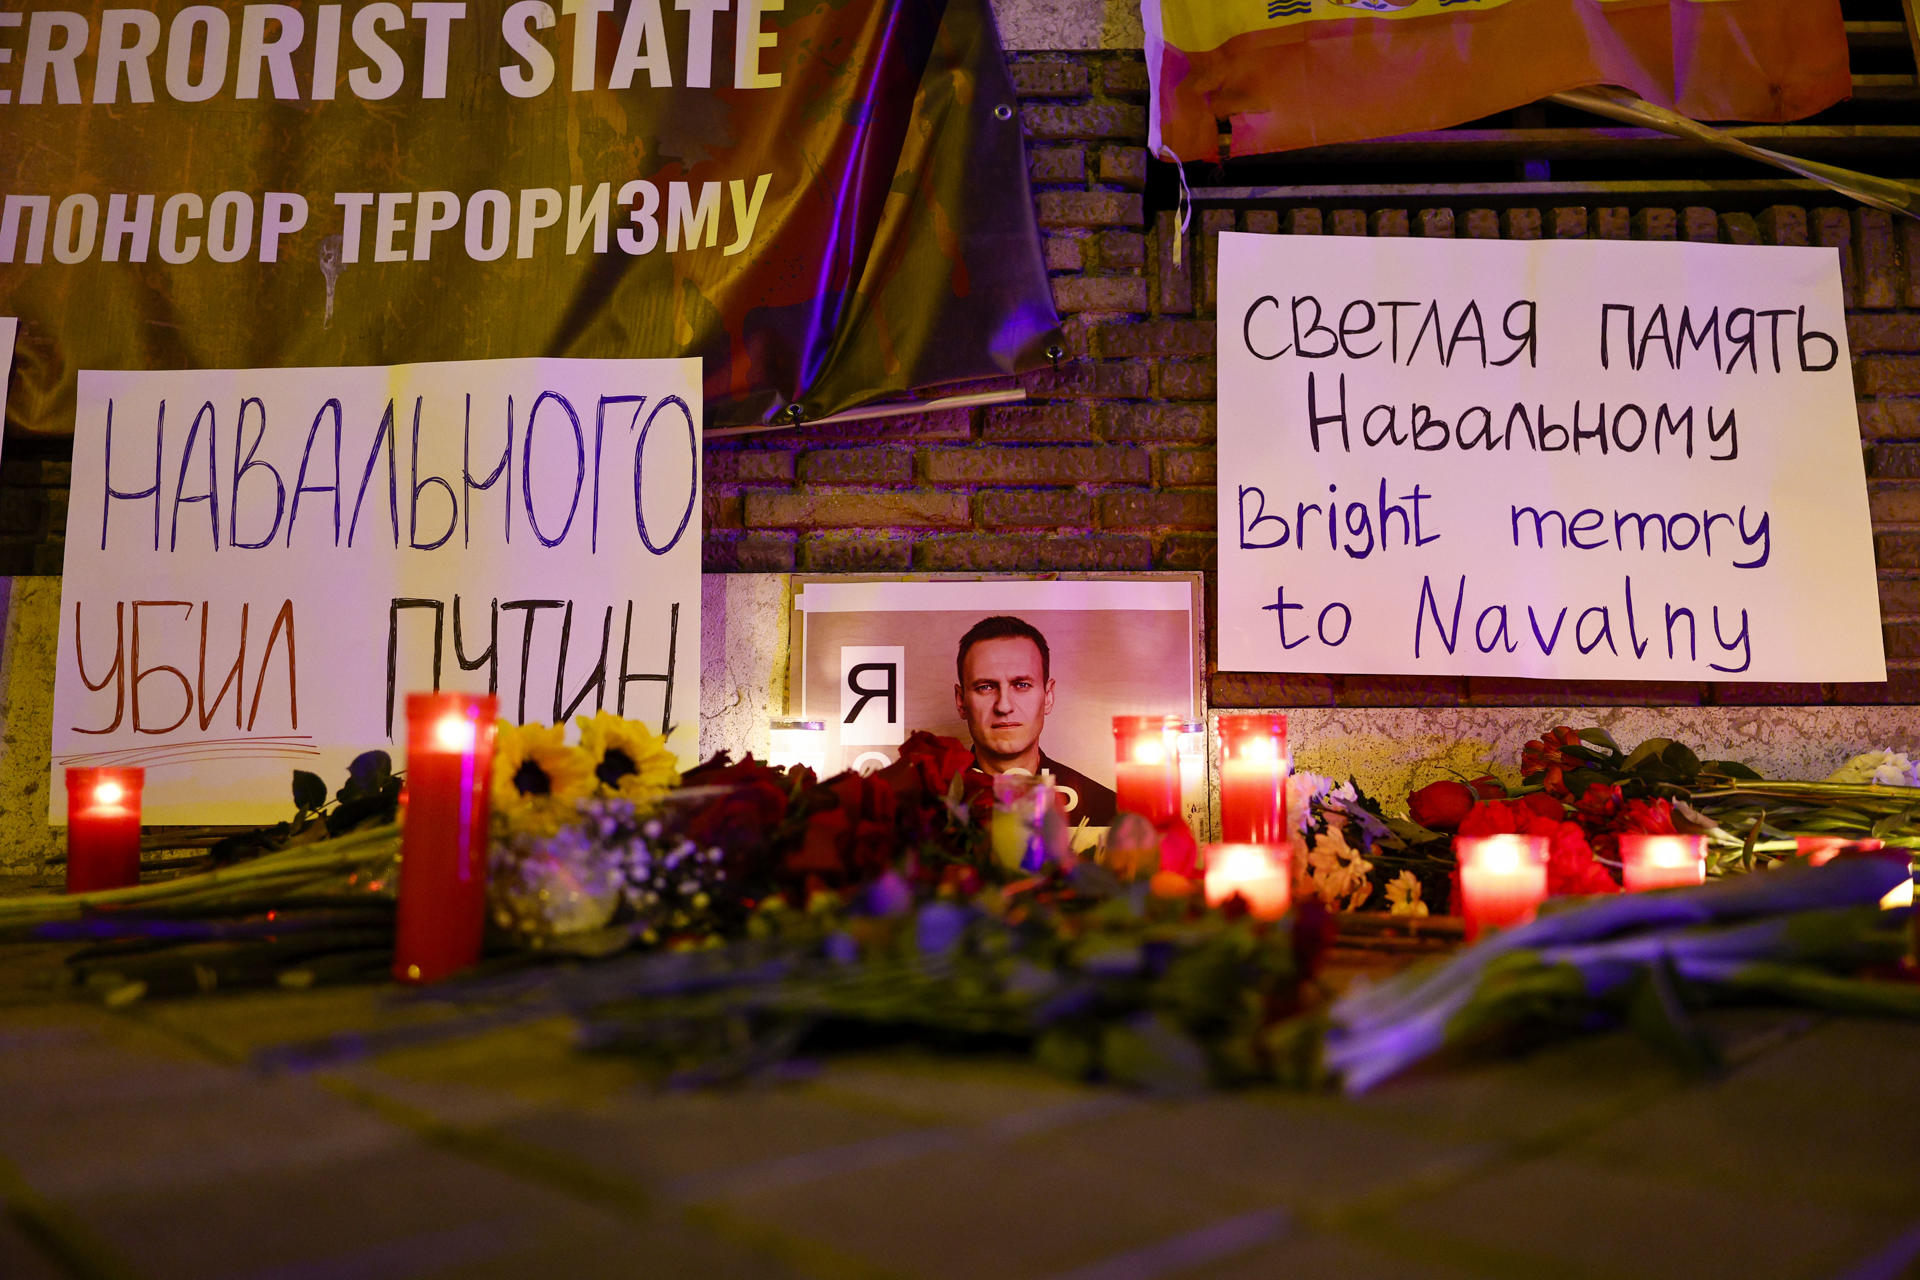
[[1300, 73]]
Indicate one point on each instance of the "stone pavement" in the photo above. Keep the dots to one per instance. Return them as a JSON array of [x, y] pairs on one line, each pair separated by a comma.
[[140, 1142]]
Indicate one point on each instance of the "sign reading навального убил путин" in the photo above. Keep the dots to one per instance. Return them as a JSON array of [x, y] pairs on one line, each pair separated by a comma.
[[1569, 460], [262, 563]]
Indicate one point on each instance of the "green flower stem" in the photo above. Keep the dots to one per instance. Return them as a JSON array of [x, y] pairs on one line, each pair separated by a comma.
[[275, 870], [1860, 882], [1522, 984]]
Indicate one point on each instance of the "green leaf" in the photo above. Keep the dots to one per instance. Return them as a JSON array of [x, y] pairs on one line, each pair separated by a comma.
[[1600, 737], [1648, 750], [309, 791], [1730, 769], [1657, 1014], [367, 774], [1680, 758], [1578, 780], [1151, 1052], [1894, 822]]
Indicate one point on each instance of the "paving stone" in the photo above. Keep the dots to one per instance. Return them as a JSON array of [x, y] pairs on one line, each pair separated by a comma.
[[1565, 1216], [1301, 1251], [1115, 1182], [407, 1211], [20, 1257], [681, 1141], [1572, 1086], [1826, 1120]]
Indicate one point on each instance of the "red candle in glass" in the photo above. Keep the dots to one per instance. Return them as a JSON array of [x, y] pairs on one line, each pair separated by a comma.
[[1503, 880], [1661, 862], [1259, 873], [1146, 770], [1253, 779], [443, 846], [1820, 850], [103, 828]]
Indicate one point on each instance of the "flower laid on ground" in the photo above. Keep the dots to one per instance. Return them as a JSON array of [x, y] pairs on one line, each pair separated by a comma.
[[1880, 769], [1337, 872], [1583, 779], [1571, 867], [537, 777], [1404, 895]]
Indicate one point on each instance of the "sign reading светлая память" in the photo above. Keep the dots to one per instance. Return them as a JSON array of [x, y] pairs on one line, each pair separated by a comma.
[[1570, 460]]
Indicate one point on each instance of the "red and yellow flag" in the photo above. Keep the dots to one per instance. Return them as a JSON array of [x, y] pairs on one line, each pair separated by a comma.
[[1299, 73]]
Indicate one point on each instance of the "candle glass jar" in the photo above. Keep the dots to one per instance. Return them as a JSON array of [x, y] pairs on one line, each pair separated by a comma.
[[1820, 850], [1661, 862], [1146, 771], [103, 828], [1260, 874], [443, 845], [799, 742], [1191, 742], [1503, 880], [1017, 830], [1253, 779]]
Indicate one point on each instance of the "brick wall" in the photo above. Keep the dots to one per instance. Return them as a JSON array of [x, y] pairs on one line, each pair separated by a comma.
[[1110, 464]]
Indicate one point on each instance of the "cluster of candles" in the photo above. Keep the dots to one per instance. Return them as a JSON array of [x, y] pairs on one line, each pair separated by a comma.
[[1503, 878], [441, 914], [1160, 759]]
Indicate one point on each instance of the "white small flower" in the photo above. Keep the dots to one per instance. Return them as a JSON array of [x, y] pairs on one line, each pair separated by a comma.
[[1403, 895], [1884, 768]]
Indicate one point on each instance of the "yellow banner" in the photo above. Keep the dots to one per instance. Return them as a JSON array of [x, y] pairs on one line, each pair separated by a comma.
[[1301, 73]]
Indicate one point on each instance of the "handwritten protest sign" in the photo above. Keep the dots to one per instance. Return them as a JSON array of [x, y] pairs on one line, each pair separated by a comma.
[[262, 563], [1577, 459]]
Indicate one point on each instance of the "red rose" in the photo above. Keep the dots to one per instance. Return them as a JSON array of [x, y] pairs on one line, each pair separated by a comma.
[[1570, 864], [1653, 818], [1544, 805], [1488, 787], [1494, 818], [1440, 806], [755, 800], [819, 853], [1600, 804], [1179, 851], [935, 761]]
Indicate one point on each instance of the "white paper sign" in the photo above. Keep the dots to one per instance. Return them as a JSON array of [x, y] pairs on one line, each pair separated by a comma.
[[261, 564], [1569, 459]]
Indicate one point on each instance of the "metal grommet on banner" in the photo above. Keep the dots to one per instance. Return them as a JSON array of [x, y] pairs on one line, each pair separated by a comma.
[[1003, 112], [796, 413], [1054, 352]]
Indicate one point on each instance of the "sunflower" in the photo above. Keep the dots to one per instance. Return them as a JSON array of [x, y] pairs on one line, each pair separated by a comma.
[[628, 759], [537, 777]]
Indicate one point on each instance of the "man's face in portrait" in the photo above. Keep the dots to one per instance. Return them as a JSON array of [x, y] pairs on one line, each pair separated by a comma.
[[1004, 699]]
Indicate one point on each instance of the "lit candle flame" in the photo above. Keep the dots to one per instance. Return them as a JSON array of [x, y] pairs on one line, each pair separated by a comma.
[[454, 733], [1150, 751], [1259, 750], [1499, 856], [109, 793]]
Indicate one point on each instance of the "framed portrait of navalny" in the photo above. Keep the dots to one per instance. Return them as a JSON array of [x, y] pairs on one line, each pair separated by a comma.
[[1027, 671]]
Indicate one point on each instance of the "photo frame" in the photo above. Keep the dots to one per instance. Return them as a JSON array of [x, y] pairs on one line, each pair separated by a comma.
[[873, 658]]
